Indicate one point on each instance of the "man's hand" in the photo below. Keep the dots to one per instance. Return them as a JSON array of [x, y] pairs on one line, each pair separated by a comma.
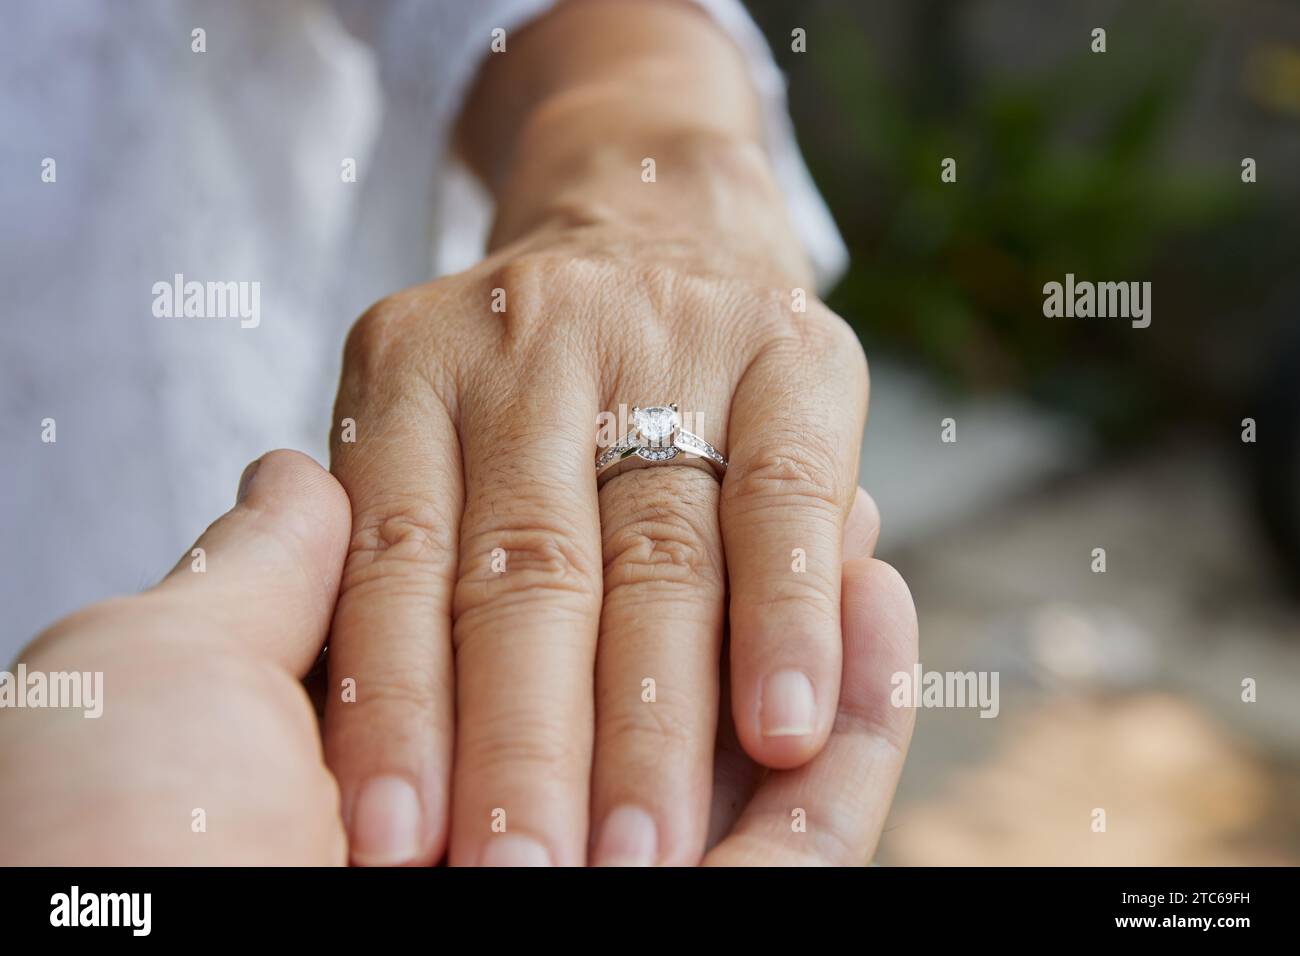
[[207, 750]]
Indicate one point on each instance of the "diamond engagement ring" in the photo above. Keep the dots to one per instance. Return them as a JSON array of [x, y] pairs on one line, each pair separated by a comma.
[[657, 436]]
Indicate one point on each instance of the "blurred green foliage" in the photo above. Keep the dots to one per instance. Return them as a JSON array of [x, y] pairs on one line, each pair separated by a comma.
[[1071, 168]]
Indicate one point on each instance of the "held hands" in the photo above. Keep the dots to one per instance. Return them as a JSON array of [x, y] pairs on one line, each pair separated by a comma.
[[207, 750], [492, 602]]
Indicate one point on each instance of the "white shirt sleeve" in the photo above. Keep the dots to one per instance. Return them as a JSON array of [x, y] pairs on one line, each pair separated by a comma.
[[429, 54]]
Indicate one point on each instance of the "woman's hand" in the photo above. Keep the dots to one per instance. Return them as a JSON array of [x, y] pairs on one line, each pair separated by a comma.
[[485, 567], [478, 529]]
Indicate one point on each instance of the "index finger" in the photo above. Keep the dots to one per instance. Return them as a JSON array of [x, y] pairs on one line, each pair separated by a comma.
[[389, 710]]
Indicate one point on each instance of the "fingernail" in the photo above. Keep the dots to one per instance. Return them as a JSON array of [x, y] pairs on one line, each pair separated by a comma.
[[628, 838], [787, 707], [246, 479], [385, 823], [507, 849]]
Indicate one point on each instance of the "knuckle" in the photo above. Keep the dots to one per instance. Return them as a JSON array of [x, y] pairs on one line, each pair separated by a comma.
[[656, 554], [823, 343], [406, 532], [788, 471], [538, 276], [834, 346], [374, 332], [518, 562], [538, 284], [534, 270], [400, 338], [661, 547]]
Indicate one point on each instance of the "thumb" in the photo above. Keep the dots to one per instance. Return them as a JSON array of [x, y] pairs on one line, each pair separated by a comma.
[[265, 575]]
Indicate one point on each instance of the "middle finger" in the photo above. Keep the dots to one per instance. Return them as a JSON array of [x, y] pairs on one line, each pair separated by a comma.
[[526, 608]]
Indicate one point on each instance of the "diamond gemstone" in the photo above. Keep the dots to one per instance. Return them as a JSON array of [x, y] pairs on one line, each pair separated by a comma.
[[656, 424]]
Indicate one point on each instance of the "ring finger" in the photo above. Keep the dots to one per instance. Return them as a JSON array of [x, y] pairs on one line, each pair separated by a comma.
[[658, 659]]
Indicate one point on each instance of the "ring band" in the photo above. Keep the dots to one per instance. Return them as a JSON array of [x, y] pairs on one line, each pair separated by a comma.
[[657, 436]]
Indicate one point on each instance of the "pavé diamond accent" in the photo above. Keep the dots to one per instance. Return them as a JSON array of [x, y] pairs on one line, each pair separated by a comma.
[[657, 454]]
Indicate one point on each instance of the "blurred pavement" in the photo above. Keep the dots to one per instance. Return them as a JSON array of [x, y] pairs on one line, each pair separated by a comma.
[[1119, 690]]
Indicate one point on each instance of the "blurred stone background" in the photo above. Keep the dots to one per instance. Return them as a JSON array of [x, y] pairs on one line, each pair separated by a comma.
[[1123, 690]]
